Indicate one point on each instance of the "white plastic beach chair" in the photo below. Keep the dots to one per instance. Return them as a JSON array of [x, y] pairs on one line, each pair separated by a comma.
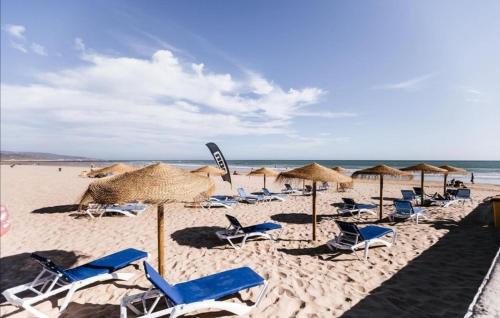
[[405, 210], [273, 196], [237, 231], [351, 207], [54, 279], [352, 237], [128, 209], [219, 202], [199, 294]]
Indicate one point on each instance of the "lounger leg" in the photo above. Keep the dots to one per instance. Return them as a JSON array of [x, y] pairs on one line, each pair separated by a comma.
[[367, 246], [68, 297], [33, 311]]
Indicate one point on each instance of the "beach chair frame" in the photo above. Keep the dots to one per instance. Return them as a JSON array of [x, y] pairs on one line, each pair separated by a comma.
[[351, 207], [353, 240], [138, 304], [407, 212], [272, 196], [217, 203], [145, 311], [235, 231], [101, 209], [49, 283]]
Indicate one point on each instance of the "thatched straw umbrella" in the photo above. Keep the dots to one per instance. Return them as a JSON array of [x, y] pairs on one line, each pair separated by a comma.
[[209, 170], [451, 170], [114, 169], [379, 172], [315, 173], [263, 172], [157, 184], [342, 171], [424, 168]]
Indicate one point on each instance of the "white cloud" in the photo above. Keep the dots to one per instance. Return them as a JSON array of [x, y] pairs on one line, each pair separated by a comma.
[[15, 31], [78, 44], [473, 95], [19, 47], [38, 49], [410, 84], [326, 114], [149, 101]]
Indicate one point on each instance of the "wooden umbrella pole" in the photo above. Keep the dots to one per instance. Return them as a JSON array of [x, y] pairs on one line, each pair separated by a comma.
[[314, 210], [444, 184], [422, 186], [264, 181], [381, 196], [161, 246]]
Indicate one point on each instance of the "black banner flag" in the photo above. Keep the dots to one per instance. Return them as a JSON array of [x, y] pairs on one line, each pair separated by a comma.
[[220, 160]]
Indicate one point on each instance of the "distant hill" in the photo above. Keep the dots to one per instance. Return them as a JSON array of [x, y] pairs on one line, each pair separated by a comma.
[[35, 156]]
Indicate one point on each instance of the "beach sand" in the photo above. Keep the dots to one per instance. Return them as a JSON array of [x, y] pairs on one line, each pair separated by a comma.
[[434, 270]]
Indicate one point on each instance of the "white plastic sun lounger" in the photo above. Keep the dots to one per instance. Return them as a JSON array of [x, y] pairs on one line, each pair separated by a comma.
[[219, 202], [273, 196], [405, 210], [237, 231], [351, 207], [128, 209], [194, 295], [352, 238], [54, 279]]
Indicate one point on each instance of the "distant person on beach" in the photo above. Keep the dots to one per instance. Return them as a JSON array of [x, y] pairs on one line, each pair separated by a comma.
[[472, 178]]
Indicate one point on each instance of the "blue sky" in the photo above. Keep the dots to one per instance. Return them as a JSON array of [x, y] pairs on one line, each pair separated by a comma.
[[263, 79]]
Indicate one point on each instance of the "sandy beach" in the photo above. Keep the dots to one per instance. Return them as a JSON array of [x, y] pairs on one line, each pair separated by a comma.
[[434, 269]]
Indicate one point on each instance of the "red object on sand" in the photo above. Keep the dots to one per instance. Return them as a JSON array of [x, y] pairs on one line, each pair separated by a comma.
[[4, 220]]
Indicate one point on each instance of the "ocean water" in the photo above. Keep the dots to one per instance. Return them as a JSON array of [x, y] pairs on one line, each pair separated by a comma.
[[484, 171]]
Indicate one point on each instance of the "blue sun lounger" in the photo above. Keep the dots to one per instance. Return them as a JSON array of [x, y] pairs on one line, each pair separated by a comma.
[[194, 295], [237, 231], [273, 196], [405, 210], [54, 279], [219, 201], [351, 207], [352, 237], [244, 197], [409, 195]]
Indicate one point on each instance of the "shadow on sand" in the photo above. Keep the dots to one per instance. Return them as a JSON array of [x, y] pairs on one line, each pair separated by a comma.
[[443, 280], [21, 268], [299, 218], [198, 237], [57, 209]]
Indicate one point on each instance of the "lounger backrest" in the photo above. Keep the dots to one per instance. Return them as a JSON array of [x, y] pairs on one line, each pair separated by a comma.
[[408, 195], [418, 190], [349, 229], [52, 267], [234, 222], [242, 193], [308, 188], [403, 206], [160, 283], [266, 191], [288, 187], [349, 201], [463, 194]]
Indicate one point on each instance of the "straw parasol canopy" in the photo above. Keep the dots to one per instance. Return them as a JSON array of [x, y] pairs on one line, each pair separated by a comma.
[[315, 173], [424, 168], [114, 169], [157, 184], [209, 170], [339, 169], [379, 172], [342, 171], [451, 170], [263, 172]]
